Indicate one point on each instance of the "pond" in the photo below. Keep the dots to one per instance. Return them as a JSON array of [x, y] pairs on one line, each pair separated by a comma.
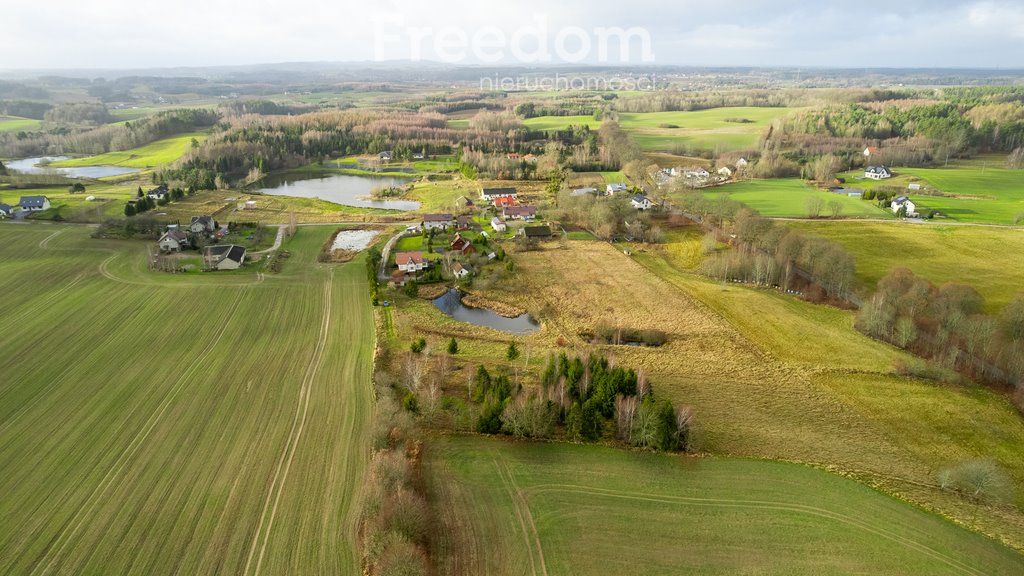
[[451, 304], [344, 189], [353, 240], [31, 166]]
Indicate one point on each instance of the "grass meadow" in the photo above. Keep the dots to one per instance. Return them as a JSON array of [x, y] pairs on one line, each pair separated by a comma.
[[986, 258], [194, 424], [553, 509], [153, 154], [16, 124], [787, 198]]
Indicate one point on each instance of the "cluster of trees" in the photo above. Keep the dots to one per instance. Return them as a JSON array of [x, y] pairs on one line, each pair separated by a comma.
[[609, 217], [590, 398], [771, 255], [78, 113], [947, 323], [24, 108], [704, 100]]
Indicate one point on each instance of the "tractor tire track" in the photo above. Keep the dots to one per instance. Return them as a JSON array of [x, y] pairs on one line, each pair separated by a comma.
[[524, 516]]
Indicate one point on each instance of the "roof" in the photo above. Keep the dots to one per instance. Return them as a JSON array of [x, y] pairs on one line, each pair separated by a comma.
[[497, 221], [33, 201], [584, 191], [203, 220], [504, 201], [161, 189], [498, 191], [640, 199], [6, 208], [459, 243], [537, 231], [901, 200], [176, 235], [236, 253], [877, 169], [437, 217], [519, 211], [403, 258], [617, 186]]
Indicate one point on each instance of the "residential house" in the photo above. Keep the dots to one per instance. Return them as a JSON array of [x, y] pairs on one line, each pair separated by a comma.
[[226, 257], [536, 232], [202, 224], [465, 222], [489, 194], [904, 202], [519, 212], [616, 187], [870, 151], [504, 201], [877, 173], [696, 172], [410, 262], [438, 221], [641, 202], [419, 156], [498, 225], [727, 171], [384, 156], [159, 193], [460, 270], [584, 191], [173, 241], [6, 210], [466, 203], [461, 245], [34, 203]]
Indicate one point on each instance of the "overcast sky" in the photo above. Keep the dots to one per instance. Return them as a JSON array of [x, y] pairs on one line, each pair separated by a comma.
[[869, 33]]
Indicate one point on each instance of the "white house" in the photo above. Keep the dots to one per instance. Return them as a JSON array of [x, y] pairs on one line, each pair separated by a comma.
[[438, 221], [173, 241], [34, 203], [613, 188], [410, 262], [201, 224], [226, 257], [490, 194], [877, 173], [742, 163], [904, 202], [159, 193], [727, 171], [460, 270], [498, 225], [385, 156], [641, 202], [870, 151], [6, 211], [696, 172]]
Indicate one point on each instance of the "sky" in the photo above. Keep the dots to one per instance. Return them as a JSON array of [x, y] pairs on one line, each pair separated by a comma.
[[126, 34]]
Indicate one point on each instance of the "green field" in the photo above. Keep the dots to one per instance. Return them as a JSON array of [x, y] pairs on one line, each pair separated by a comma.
[[193, 424], [986, 258], [553, 509], [787, 198], [109, 200], [153, 154], [16, 124]]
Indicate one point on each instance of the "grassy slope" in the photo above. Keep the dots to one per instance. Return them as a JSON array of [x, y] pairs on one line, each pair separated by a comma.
[[153, 154], [985, 258], [569, 509], [110, 199], [145, 416], [14, 123], [788, 199]]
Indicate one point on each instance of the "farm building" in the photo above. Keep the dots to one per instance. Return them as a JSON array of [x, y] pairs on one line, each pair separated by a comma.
[[536, 232], [498, 225], [904, 202], [34, 203], [641, 202], [173, 241], [519, 212], [227, 257], [466, 203], [410, 262], [201, 224], [461, 245], [438, 221], [490, 194], [877, 173]]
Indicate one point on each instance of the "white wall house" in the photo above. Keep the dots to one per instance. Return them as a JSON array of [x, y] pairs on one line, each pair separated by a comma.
[[498, 225], [410, 262], [641, 202], [877, 173], [902, 202], [34, 203], [438, 221]]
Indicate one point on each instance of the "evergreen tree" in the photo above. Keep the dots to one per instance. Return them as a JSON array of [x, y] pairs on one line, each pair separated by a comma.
[[453, 347], [513, 352], [129, 210]]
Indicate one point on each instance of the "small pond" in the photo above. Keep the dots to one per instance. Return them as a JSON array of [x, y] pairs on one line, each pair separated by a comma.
[[31, 166], [344, 189], [451, 304], [353, 240]]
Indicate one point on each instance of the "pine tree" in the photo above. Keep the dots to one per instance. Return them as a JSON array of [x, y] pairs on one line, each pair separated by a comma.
[[453, 347]]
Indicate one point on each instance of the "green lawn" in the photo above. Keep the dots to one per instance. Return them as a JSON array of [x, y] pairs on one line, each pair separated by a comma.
[[193, 423], [788, 198], [109, 200], [548, 123], [986, 258], [154, 154], [16, 124], [553, 509]]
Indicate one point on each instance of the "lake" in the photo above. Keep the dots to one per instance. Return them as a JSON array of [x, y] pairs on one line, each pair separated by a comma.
[[344, 189], [30, 166], [451, 304]]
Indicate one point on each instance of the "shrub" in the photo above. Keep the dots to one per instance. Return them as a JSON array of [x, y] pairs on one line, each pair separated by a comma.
[[418, 346], [402, 559], [453, 346], [409, 402]]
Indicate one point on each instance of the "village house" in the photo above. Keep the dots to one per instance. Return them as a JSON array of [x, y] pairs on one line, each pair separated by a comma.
[[904, 202], [641, 202], [466, 203], [461, 245], [519, 212], [34, 203], [6, 211], [173, 240], [159, 193], [536, 232], [613, 188], [696, 172], [727, 171], [465, 222], [419, 156], [410, 262], [504, 201], [384, 156], [438, 221], [226, 257], [202, 224], [877, 173], [489, 194], [460, 270], [870, 151], [498, 225]]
